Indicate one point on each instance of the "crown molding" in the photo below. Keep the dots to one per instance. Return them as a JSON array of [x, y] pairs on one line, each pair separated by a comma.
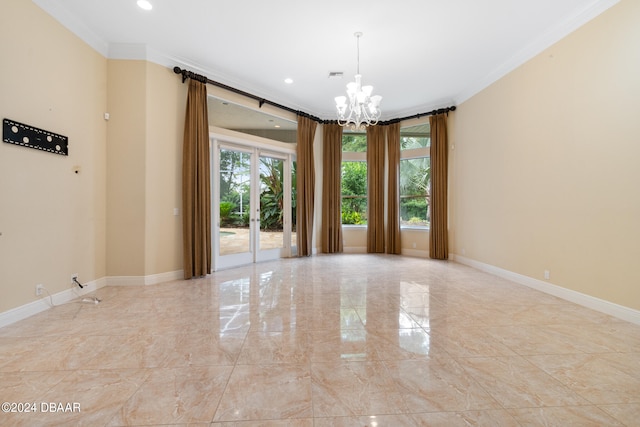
[[142, 52], [132, 51], [541, 43], [71, 23]]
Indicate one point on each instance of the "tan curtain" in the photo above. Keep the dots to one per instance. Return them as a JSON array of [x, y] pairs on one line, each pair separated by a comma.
[[375, 188], [331, 191], [393, 190], [306, 185], [196, 179], [438, 234]]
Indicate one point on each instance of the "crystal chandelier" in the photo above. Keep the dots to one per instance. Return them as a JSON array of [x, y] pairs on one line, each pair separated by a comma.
[[362, 109]]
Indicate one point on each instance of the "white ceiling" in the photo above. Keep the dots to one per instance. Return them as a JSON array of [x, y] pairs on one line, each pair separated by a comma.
[[418, 54]]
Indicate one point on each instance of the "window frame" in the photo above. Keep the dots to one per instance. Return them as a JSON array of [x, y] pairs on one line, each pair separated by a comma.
[[353, 156], [406, 154], [409, 154]]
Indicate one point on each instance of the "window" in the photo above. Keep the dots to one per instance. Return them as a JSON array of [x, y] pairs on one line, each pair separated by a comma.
[[415, 176], [354, 178]]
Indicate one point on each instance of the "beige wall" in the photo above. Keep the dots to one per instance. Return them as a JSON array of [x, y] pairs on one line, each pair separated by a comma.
[[543, 172], [415, 241], [126, 168], [147, 104], [115, 217], [355, 240], [166, 104], [52, 220], [544, 164]]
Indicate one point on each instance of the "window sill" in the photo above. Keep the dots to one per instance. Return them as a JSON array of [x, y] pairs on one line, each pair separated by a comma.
[[414, 228], [402, 228]]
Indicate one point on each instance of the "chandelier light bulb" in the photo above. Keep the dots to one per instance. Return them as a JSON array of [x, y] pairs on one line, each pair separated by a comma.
[[362, 109]]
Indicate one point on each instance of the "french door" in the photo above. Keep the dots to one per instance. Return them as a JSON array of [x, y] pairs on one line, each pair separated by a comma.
[[252, 203]]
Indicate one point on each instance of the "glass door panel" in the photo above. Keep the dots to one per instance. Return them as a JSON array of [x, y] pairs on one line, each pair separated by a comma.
[[252, 204], [234, 226], [271, 197]]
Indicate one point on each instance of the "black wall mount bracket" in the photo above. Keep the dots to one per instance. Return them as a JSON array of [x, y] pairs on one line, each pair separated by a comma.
[[28, 136]]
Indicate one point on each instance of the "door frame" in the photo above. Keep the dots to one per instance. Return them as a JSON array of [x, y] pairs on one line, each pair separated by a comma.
[[285, 250], [257, 147]]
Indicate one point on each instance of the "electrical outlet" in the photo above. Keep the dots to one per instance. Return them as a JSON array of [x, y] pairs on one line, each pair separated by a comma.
[[74, 277], [39, 288], [546, 274]]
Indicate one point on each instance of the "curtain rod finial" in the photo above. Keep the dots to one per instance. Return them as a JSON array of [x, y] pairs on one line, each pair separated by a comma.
[[184, 73]]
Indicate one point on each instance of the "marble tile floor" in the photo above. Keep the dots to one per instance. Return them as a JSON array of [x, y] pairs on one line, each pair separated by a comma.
[[339, 340]]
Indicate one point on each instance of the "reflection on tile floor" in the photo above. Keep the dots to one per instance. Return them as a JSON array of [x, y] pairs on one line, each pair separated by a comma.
[[344, 340]]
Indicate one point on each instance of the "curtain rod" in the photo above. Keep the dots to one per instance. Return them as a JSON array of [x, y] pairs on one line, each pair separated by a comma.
[[261, 101], [445, 110]]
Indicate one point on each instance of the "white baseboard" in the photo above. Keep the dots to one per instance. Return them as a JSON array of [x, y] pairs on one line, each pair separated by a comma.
[[406, 252], [42, 304], [415, 253], [125, 280], [603, 306], [35, 307], [152, 279], [169, 276], [355, 249]]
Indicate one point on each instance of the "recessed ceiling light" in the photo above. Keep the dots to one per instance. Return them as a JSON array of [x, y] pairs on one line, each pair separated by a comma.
[[145, 4], [288, 80], [276, 126]]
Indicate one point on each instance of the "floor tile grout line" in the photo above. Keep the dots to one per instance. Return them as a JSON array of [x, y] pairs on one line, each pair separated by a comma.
[[441, 352], [226, 385]]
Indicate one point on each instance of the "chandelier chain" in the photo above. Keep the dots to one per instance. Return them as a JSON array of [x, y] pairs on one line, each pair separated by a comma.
[[358, 35]]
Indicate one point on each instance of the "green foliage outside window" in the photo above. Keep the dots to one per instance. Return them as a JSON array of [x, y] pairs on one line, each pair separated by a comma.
[[235, 176], [354, 180], [415, 179], [415, 183], [271, 193], [354, 142], [409, 142], [226, 211], [234, 188], [354, 192]]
